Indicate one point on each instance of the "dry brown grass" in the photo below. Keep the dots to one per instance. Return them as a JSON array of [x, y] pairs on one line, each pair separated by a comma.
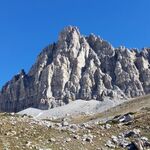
[[39, 135]]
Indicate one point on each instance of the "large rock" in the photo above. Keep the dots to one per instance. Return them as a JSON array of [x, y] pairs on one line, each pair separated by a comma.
[[78, 67]]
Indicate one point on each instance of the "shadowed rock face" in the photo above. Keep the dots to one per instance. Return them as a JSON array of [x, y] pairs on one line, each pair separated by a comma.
[[78, 67]]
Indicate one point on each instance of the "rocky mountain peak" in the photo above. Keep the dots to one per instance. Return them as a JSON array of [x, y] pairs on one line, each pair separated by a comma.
[[78, 67], [69, 33]]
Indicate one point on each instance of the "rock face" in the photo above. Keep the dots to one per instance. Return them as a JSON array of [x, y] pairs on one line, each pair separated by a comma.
[[78, 67]]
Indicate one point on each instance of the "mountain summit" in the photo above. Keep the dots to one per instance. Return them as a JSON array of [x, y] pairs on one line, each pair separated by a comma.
[[78, 67]]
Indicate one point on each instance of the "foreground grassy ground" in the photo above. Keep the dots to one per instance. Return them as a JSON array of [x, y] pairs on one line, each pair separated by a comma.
[[25, 133]]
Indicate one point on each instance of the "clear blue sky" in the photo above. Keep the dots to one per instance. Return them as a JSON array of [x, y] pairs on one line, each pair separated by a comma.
[[27, 26]]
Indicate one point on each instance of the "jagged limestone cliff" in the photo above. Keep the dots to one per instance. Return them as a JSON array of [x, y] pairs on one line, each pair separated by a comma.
[[78, 67]]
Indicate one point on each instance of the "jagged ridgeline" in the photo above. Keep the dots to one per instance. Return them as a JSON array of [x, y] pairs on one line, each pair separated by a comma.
[[78, 67]]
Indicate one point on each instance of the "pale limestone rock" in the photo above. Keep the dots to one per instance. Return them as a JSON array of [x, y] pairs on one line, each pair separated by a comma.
[[78, 67]]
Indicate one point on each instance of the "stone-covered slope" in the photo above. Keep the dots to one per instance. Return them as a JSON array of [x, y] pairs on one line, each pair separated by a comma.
[[78, 67]]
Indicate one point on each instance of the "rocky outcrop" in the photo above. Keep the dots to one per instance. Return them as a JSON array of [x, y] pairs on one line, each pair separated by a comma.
[[78, 67]]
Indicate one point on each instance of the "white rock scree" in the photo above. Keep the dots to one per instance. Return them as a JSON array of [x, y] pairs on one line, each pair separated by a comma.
[[78, 107]]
